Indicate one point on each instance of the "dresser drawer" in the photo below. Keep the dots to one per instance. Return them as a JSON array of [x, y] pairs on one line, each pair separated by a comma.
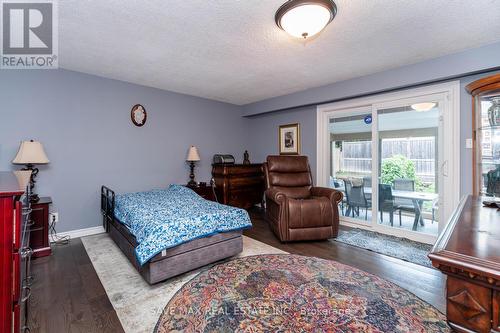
[[244, 195], [237, 183]]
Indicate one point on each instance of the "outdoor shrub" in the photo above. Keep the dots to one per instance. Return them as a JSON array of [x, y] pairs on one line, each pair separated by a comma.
[[396, 167]]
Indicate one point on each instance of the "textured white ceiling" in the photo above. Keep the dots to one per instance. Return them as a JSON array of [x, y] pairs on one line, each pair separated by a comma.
[[231, 50]]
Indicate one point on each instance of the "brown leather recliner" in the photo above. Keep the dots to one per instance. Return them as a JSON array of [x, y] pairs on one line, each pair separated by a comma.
[[295, 209]]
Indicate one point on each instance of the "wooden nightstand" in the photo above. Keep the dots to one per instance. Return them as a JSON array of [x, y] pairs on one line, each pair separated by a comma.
[[39, 230], [205, 192]]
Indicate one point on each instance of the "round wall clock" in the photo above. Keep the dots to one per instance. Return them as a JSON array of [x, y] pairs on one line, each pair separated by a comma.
[[138, 115]]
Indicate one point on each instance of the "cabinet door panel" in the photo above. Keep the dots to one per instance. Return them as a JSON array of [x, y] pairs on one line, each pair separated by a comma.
[[496, 310], [468, 305]]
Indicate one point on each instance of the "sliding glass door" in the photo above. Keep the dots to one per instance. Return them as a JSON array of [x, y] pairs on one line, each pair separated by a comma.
[[351, 161], [391, 160], [409, 154]]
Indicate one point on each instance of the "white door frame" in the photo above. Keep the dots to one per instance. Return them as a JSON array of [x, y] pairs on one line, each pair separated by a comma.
[[448, 95]]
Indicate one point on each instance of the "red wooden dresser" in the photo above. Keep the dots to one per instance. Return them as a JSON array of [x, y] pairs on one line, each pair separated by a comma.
[[14, 252]]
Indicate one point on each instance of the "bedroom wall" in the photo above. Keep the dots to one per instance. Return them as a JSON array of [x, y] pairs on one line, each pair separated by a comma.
[[84, 124], [450, 66], [265, 127]]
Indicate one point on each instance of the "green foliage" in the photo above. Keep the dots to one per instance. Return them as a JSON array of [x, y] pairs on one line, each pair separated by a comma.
[[396, 167]]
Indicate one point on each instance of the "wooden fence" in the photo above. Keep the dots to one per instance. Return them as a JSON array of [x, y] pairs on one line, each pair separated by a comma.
[[356, 155]]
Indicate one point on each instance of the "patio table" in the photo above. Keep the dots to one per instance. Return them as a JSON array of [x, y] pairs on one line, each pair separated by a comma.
[[417, 198]]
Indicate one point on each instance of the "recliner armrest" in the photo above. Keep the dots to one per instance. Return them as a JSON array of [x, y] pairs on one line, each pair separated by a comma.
[[334, 195], [275, 195]]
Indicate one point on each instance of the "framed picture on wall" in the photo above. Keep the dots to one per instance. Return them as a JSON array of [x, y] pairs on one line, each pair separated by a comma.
[[289, 139]]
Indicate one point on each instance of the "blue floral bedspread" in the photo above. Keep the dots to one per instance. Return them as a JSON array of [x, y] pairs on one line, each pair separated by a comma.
[[161, 219]]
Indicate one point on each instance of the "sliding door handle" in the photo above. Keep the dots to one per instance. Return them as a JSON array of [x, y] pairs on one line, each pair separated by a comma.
[[444, 168]]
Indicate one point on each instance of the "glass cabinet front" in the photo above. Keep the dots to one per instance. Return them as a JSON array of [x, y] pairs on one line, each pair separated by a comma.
[[487, 147]]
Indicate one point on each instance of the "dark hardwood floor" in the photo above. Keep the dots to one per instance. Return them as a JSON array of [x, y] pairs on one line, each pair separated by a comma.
[[68, 296]]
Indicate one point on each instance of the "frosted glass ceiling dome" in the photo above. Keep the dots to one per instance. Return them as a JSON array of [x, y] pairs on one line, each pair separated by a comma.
[[305, 18]]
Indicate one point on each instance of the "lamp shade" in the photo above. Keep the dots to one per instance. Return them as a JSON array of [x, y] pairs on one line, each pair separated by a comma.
[[31, 152], [193, 155]]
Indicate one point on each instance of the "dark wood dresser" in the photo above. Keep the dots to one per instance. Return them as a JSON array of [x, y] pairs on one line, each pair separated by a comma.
[[15, 252], [239, 185], [468, 252]]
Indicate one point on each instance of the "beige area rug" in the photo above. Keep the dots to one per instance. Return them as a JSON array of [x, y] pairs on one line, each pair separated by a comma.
[[137, 304]]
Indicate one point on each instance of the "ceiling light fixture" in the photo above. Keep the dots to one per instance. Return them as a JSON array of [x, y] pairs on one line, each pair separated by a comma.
[[305, 18], [422, 107]]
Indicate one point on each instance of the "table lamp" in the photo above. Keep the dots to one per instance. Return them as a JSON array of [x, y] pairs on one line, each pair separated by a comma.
[[31, 153], [192, 157]]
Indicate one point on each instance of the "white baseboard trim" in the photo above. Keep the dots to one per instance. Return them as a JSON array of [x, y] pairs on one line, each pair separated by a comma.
[[82, 232]]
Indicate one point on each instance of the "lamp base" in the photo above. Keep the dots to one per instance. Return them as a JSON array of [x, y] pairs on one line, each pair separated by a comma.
[[191, 182], [34, 198]]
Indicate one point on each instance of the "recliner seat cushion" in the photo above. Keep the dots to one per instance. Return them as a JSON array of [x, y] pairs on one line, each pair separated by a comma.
[[309, 213], [303, 192]]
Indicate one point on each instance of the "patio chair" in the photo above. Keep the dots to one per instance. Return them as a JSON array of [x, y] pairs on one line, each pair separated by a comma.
[[404, 204], [355, 196], [367, 183], [338, 184], [493, 182], [386, 203], [435, 207]]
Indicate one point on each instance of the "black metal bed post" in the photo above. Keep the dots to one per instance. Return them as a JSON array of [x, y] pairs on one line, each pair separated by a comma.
[[107, 206]]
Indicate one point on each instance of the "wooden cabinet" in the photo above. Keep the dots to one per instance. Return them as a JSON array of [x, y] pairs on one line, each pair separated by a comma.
[[239, 185], [468, 252], [15, 252], [486, 135], [39, 227]]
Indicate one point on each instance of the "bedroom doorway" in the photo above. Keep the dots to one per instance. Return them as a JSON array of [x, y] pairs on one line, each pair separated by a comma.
[[392, 157]]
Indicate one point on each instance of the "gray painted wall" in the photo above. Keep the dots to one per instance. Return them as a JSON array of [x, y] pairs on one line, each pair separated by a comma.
[[446, 67], [264, 128], [84, 123]]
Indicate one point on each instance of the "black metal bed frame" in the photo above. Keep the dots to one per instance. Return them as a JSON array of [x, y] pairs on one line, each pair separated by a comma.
[[107, 206], [175, 261]]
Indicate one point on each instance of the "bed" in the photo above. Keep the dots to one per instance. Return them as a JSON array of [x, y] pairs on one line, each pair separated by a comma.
[[167, 232]]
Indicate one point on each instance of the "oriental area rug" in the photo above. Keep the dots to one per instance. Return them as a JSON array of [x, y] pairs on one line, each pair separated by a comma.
[[138, 304], [291, 293]]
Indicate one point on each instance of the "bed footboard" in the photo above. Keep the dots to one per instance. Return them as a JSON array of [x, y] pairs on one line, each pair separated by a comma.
[[107, 206]]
